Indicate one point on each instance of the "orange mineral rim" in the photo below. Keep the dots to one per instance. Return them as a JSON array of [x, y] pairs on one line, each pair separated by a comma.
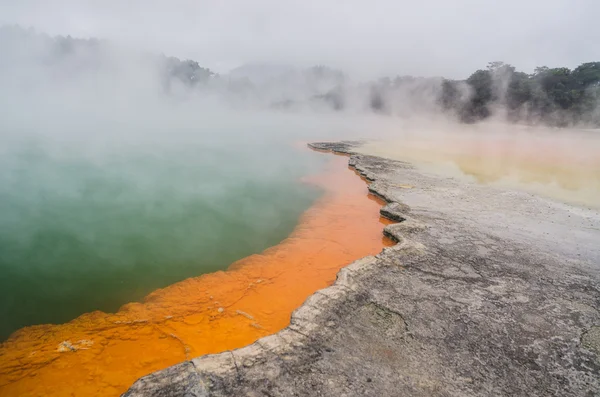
[[102, 354]]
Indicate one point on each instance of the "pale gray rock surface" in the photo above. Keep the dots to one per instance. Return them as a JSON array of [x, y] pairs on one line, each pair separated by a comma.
[[487, 293]]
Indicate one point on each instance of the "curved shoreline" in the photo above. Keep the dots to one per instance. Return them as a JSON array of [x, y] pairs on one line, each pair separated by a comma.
[[102, 354], [462, 306]]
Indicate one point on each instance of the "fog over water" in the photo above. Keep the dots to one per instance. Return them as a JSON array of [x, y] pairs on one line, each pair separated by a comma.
[[112, 185], [110, 189], [88, 227], [123, 170]]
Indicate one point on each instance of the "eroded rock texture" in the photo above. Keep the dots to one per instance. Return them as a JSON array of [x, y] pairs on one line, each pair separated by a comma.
[[487, 292]]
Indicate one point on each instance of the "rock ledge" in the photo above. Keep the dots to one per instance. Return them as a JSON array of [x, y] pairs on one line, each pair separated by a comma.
[[473, 300]]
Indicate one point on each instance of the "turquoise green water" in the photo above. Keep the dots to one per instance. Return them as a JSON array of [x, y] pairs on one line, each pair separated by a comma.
[[91, 226]]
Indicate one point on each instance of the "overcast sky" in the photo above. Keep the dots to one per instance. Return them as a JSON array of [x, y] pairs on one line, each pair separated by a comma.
[[371, 38]]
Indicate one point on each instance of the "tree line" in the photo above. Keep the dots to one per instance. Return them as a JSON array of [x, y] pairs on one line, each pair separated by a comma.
[[557, 96]]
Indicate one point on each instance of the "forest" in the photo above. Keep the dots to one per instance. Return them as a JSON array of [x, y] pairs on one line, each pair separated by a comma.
[[559, 95]]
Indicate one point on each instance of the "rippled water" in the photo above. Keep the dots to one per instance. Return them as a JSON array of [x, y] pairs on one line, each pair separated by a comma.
[[93, 224]]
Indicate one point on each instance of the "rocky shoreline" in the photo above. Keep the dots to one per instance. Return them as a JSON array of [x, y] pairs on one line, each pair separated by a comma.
[[487, 292]]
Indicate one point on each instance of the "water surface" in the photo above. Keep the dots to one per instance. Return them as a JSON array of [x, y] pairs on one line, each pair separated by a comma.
[[95, 222], [103, 354]]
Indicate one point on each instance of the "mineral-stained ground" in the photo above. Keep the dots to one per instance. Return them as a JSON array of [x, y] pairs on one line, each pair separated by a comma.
[[488, 292]]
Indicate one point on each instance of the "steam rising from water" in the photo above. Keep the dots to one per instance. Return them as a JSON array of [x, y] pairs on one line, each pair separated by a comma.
[[562, 164], [114, 182], [87, 225], [110, 187]]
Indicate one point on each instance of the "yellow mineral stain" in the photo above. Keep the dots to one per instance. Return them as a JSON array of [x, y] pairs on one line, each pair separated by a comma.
[[562, 165], [101, 354]]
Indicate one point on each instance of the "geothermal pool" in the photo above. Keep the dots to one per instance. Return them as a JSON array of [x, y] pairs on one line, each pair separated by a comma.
[[99, 353], [146, 252], [92, 228]]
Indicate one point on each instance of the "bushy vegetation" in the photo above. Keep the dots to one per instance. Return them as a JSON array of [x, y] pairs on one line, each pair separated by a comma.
[[557, 96]]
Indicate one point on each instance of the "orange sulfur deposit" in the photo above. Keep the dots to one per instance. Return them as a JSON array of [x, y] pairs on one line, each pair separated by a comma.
[[100, 354]]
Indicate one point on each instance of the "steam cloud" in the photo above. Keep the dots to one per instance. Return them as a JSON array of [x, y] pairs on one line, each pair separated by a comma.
[[114, 125]]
